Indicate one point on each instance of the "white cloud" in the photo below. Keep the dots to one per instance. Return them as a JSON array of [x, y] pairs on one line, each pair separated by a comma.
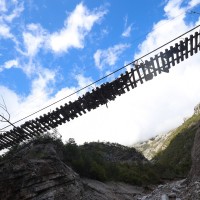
[[83, 81], [7, 16], [11, 63], [78, 24], [5, 31], [127, 31], [173, 8], [109, 56], [15, 13], [34, 38], [193, 3], [3, 6]]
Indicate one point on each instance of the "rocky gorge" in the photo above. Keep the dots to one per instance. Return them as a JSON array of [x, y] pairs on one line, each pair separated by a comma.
[[38, 170]]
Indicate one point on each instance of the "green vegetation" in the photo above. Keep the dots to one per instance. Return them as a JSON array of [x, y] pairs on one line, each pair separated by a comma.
[[175, 160], [114, 162], [98, 161]]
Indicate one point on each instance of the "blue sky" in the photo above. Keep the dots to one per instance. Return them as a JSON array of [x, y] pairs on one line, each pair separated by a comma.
[[50, 48]]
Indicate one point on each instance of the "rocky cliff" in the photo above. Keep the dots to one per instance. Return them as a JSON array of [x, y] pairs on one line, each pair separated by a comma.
[[154, 145], [37, 172], [194, 174]]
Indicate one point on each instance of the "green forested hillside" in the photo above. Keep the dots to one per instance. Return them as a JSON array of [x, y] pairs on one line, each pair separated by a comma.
[[175, 160]]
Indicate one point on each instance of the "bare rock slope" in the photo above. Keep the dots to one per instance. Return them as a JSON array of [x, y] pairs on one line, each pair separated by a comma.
[[37, 172]]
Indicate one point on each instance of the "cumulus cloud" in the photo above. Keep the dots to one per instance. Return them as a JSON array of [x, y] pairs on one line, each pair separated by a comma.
[[78, 24], [109, 56], [34, 38]]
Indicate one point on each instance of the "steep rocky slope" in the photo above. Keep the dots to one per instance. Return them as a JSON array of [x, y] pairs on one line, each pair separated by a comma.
[[159, 143], [37, 172], [186, 189], [154, 145]]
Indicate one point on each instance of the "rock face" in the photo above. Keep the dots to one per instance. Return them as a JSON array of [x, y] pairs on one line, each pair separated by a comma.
[[154, 145], [37, 172], [197, 109], [95, 190], [194, 174]]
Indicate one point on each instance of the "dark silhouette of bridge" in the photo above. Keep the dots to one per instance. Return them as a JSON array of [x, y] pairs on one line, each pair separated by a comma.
[[138, 74]]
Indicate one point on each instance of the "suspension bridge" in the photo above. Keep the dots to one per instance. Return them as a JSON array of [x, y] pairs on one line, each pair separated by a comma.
[[138, 74]]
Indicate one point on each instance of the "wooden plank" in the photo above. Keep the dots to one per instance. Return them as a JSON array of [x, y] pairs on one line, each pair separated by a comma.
[[108, 91], [128, 75], [6, 139], [17, 135], [64, 111], [40, 128], [176, 51], [133, 76], [55, 120], [186, 47], [182, 50], [196, 43], [71, 108], [21, 133], [3, 140], [138, 67], [147, 76], [27, 128], [98, 99], [42, 119], [77, 105], [9, 135], [119, 86], [168, 64], [153, 66], [13, 139], [35, 127], [44, 127], [157, 63], [31, 127], [49, 123], [191, 44]]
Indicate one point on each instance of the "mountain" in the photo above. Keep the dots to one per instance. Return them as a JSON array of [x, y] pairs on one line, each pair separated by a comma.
[[154, 145], [172, 151]]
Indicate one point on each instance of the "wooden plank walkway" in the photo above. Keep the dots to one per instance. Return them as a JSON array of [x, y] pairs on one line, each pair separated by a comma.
[[106, 92]]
